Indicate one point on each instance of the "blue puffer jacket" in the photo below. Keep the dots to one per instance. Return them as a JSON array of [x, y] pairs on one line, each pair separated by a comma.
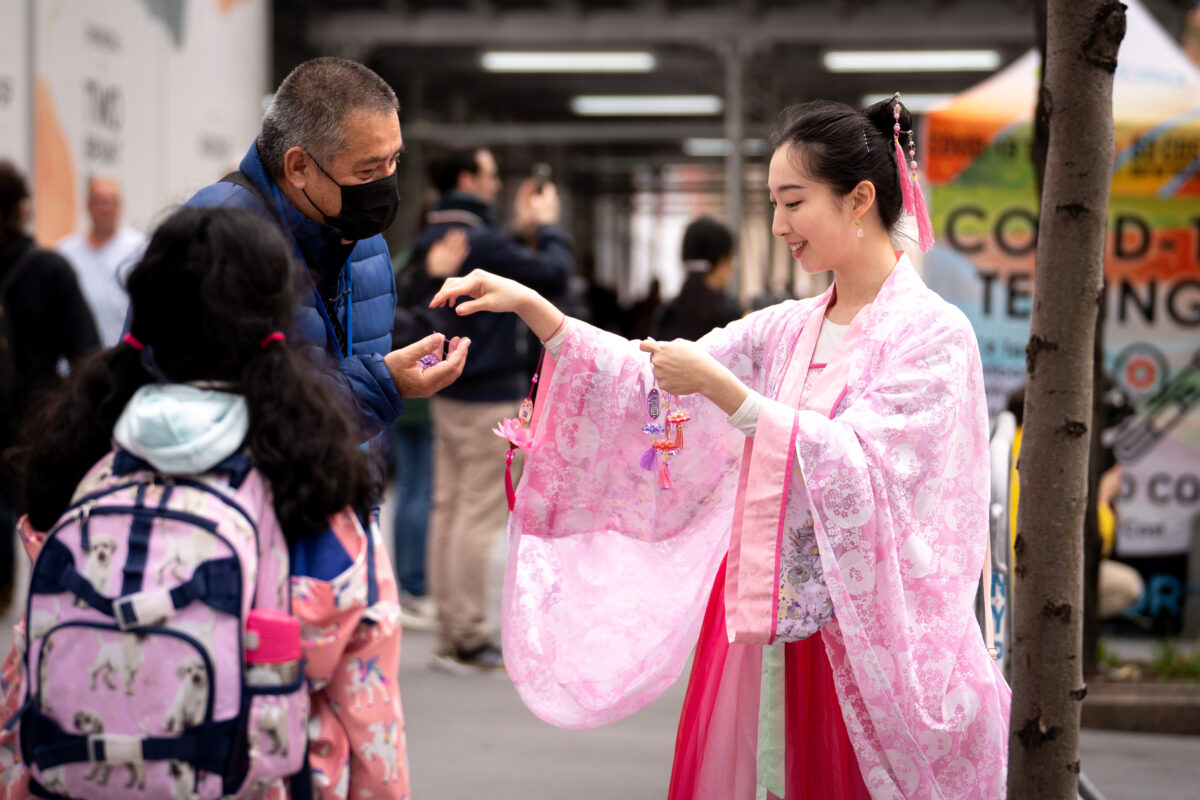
[[361, 379]]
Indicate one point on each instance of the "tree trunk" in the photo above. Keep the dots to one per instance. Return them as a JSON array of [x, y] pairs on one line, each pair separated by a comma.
[[1092, 543], [1082, 38], [1091, 526]]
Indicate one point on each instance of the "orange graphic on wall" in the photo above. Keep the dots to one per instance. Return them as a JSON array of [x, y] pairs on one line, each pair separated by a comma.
[[53, 170]]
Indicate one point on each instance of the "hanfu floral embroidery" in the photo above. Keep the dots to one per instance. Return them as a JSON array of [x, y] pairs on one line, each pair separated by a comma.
[[804, 604]]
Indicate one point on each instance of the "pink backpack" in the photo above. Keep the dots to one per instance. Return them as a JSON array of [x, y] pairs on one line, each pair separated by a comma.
[[135, 673]]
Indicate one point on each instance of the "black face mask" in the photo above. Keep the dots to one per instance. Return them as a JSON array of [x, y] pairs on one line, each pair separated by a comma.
[[367, 208]]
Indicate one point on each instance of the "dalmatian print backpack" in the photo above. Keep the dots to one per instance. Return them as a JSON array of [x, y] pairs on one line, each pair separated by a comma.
[[135, 678]]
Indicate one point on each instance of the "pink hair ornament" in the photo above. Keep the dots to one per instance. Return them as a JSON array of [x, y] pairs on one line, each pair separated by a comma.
[[910, 188]]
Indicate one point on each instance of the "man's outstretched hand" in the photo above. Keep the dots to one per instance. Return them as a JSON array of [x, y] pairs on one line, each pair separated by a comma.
[[416, 379]]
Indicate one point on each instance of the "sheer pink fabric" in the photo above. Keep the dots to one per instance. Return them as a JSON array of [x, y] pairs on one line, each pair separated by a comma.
[[608, 575]]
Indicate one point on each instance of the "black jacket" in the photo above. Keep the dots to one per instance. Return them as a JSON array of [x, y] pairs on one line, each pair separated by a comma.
[[502, 356], [695, 311], [48, 315]]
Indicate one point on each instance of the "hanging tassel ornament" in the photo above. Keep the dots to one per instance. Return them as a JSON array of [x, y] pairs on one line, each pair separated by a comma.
[[924, 224], [906, 185], [518, 433], [509, 491], [664, 476], [666, 440], [649, 458]]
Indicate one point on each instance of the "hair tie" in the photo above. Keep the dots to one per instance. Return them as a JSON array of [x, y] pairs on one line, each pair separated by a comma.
[[273, 336], [133, 342]]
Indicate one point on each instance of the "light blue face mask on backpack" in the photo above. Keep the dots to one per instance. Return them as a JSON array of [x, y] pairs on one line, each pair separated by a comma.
[[181, 428]]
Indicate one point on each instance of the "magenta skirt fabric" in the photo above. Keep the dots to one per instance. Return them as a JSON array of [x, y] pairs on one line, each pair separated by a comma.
[[716, 744]]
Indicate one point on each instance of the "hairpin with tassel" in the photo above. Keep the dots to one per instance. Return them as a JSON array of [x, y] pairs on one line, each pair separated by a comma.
[[910, 189]]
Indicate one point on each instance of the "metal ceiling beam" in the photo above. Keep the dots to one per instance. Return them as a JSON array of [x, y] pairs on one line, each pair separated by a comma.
[[542, 133], [883, 25]]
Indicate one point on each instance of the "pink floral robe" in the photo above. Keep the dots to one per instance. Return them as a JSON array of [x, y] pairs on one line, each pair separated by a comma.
[[609, 576]]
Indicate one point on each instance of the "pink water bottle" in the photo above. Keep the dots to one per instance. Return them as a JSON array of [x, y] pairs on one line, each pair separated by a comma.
[[272, 648]]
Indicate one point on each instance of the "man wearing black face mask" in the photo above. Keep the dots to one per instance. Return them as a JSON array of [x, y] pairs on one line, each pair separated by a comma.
[[324, 169]]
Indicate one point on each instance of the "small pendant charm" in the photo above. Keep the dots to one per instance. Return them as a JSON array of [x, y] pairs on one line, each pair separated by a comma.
[[526, 412], [652, 403]]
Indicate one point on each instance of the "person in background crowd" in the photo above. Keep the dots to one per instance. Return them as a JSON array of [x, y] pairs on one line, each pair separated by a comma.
[[1191, 32], [102, 255], [43, 320], [412, 433], [701, 304], [469, 505], [323, 169]]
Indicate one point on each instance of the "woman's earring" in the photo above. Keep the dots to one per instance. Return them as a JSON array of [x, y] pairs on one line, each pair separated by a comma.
[[858, 228]]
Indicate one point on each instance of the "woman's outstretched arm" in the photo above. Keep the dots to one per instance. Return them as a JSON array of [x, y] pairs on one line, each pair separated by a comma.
[[490, 292], [681, 367]]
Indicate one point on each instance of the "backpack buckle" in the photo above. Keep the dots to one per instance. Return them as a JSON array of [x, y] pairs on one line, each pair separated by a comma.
[[143, 608], [114, 748]]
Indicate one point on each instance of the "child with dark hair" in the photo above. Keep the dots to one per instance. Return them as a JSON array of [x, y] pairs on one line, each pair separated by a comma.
[[819, 537], [701, 304], [204, 374]]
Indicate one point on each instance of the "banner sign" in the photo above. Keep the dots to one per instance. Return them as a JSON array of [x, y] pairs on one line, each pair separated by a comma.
[[985, 215]]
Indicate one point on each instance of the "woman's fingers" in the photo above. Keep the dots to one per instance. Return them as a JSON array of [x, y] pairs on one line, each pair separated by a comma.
[[453, 288], [471, 306]]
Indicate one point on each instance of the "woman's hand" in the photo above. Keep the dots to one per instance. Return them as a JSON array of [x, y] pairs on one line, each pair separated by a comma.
[[488, 292], [684, 367]]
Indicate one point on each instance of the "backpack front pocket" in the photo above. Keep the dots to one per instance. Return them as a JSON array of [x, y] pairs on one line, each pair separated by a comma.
[[139, 704]]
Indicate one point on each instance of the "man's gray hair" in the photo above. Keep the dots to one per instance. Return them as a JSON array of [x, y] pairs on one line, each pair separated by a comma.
[[312, 103]]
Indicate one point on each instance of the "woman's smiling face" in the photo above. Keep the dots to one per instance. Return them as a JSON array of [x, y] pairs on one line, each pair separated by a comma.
[[817, 225]]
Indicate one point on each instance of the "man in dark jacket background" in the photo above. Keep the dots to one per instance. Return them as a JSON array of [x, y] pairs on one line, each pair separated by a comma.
[[469, 505], [324, 169]]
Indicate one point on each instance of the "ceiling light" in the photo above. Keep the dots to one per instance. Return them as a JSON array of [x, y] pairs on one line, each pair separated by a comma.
[[700, 147], [915, 102], [646, 105], [496, 61], [910, 60]]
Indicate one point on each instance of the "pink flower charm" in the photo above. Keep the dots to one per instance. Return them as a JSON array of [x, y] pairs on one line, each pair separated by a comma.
[[516, 433]]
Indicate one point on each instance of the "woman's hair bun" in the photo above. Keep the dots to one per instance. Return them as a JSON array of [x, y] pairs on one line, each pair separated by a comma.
[[881, 117]]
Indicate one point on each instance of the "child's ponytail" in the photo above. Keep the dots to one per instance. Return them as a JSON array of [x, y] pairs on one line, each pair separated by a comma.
[[301, 441]]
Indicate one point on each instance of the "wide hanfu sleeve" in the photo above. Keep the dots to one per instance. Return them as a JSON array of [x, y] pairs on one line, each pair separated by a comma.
[[607, 572]]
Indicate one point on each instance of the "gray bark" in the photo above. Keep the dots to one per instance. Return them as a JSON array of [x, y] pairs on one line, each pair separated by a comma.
[[1082, 38]]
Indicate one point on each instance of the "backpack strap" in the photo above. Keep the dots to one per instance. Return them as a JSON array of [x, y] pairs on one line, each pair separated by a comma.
[[237, 466], [216, 583], [243, 180], [207, 746]]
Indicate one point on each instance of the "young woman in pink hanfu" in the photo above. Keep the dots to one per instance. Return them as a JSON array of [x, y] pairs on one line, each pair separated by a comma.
[[203, 385], [818, 467]]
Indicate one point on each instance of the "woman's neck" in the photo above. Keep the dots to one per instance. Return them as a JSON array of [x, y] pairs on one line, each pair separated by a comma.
[[858, 284]]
